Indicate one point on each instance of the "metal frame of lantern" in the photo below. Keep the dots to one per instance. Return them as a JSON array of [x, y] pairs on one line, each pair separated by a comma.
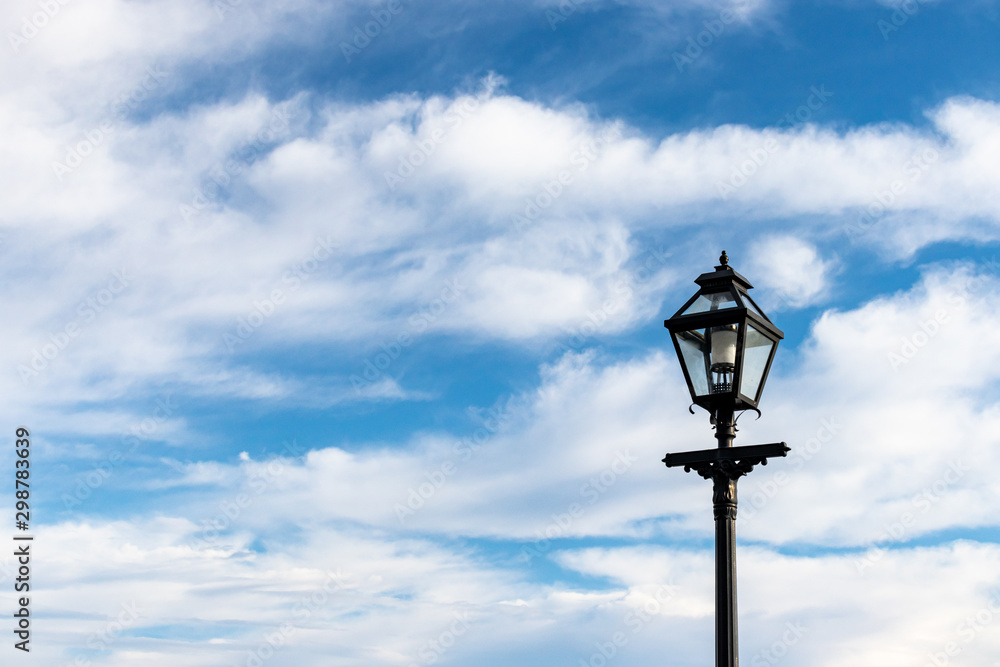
[[703, 329], [712, 334]]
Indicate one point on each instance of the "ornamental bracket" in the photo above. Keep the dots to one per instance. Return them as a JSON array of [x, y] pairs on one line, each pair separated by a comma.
[[733, 462]]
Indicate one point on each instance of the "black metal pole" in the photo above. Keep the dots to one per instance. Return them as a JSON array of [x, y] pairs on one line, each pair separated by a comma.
[[725, 427], [724, 506], [724, 465]]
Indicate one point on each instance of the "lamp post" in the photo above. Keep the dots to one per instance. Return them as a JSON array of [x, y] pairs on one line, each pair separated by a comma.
[[725, 344]]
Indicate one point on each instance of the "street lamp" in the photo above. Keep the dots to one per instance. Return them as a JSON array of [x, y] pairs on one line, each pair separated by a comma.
[[725, 344]]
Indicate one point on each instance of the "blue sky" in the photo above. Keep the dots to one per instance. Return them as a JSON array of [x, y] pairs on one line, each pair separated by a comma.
[[347, 349]]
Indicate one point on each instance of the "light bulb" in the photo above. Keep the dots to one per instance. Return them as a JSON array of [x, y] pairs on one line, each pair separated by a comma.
[[724, 346]]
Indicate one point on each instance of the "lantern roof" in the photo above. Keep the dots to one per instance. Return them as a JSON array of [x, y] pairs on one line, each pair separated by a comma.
[[723, 275], [721, 297]]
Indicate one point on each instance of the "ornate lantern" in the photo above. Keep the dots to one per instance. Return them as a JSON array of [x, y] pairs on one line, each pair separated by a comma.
[[724, 341]]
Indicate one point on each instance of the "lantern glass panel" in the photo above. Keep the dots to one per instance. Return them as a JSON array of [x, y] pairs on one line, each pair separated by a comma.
[[756, 353], [753, 307], [695, 355], [706, 302]]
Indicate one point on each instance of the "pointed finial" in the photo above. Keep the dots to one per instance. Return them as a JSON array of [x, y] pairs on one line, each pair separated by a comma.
[[723, 262]]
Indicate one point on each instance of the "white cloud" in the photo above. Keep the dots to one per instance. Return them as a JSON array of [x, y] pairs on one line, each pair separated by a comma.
[[875, 409], [535, 211], [869, 443], [907, 613], [789, 272], [351, 594]]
